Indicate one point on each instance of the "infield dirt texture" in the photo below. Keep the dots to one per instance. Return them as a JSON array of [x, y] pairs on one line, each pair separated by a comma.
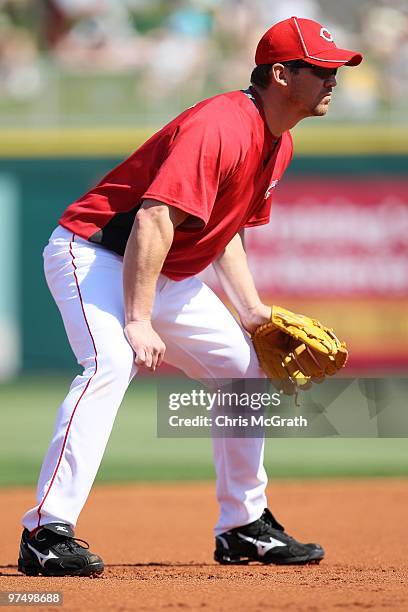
[[157, 544]]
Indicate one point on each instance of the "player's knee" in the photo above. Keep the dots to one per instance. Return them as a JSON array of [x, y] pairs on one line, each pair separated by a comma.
[[241, 361], [112, 365], [245, 367], [119, 365]]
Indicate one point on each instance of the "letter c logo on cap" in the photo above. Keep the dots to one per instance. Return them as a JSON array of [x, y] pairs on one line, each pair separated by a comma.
[[324, 33]]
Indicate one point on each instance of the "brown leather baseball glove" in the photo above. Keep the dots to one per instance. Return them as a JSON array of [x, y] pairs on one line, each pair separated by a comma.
[[295, 350]]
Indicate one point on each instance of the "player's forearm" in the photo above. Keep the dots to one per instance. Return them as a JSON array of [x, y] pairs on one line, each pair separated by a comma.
[[237, 281], [149, 242]]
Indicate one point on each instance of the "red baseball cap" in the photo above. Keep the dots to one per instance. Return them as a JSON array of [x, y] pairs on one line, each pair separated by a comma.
[[303, 39]]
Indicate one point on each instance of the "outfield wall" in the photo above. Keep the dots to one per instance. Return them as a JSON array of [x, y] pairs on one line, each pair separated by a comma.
[[337, 247]]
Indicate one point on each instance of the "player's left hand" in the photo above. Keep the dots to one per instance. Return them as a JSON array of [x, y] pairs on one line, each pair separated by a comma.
[[255, 317]]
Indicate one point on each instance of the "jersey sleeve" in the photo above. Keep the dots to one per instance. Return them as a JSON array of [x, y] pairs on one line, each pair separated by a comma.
[[263, 213], [202, 155]]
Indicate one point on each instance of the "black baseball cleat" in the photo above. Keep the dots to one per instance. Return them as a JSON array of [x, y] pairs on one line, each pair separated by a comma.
[[264, 540], [52, 550]]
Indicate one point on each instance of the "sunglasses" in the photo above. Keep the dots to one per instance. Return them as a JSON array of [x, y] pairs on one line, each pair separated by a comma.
[[321, 73]]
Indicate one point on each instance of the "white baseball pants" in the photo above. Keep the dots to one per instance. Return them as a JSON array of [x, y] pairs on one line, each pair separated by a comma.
[[202, 338]]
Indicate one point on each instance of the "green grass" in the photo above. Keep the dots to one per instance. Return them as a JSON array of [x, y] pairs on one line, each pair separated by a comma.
[[134, 453]]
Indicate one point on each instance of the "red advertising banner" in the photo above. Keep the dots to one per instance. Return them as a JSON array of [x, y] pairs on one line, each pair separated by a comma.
[[337, 249], [340, 237]]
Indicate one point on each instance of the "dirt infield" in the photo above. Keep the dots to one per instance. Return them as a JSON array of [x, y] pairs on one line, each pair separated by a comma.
[[157, 543]]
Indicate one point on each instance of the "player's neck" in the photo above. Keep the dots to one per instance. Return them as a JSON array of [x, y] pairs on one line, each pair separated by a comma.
[[278, 116]]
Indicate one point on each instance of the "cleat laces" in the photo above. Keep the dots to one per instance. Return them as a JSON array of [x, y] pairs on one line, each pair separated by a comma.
[[73, 545]]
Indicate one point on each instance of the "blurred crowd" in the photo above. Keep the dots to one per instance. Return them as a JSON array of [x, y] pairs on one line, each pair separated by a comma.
[[199, 47]]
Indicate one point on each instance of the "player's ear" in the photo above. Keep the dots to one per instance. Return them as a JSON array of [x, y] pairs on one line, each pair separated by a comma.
[[279, 75]]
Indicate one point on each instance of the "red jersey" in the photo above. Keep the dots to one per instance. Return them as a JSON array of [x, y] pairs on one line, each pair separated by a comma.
[[217, 161]]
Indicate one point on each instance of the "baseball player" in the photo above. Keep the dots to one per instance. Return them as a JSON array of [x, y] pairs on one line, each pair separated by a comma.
[[122, 266]]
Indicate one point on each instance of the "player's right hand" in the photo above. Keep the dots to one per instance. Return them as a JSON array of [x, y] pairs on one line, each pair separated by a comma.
[[149, 348]]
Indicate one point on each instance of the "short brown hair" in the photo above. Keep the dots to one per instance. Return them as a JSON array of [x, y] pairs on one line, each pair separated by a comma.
[[261, 74]]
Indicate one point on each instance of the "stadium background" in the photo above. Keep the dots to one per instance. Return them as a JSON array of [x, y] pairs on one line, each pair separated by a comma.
[[82, 84]]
